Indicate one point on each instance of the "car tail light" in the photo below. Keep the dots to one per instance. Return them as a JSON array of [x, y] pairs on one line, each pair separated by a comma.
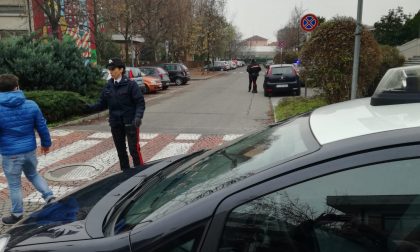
[[161, 76], [270, 70], [269, 90], [130, 74]]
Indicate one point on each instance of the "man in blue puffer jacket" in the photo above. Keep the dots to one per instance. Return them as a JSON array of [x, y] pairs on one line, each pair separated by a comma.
[[19, 118]]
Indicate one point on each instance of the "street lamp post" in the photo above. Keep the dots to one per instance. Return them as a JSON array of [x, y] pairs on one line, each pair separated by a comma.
[[356, 58]]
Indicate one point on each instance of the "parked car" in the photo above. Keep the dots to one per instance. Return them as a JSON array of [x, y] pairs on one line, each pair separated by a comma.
[[281, 78], [342, 176], [159, 73], [152, 84], [178, 73], [232, 64], [135, 74], [216, 66]]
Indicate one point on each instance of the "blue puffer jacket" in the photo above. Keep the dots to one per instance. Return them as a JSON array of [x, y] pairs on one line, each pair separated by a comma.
[[18, 120]]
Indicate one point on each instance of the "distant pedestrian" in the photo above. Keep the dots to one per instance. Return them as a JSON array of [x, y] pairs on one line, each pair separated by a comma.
[[126, 105], [19, 118], [253, 70]]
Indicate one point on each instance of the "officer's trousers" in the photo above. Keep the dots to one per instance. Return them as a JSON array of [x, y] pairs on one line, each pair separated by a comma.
[[119, 134]]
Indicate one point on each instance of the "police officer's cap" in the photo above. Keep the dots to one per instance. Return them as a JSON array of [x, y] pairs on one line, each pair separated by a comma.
[[115, 62]]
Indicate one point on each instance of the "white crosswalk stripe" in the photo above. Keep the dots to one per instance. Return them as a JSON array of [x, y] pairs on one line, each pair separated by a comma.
[[60, 133], [2, 186], [58, 191], [188, 137], [173, 149], [231, 137], [65, 152], [148, 136], [101, 135]]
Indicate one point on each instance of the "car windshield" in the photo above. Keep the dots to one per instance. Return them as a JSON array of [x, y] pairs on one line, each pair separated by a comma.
[[147, 71], [282, 70], [183, 185]]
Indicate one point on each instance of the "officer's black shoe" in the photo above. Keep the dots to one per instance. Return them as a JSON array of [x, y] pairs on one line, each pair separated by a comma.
[[254, 91], [10, 220]]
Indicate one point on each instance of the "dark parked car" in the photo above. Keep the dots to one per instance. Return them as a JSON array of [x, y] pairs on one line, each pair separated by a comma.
[[280, 79], [178, 73], [159, 73], [216, 66], [344, 177]]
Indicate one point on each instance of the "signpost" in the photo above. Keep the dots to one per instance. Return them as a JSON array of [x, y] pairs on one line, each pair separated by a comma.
[[309, 22], [281, 44]]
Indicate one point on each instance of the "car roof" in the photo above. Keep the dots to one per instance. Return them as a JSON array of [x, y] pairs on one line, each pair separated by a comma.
[[282, 65], [357, 118]]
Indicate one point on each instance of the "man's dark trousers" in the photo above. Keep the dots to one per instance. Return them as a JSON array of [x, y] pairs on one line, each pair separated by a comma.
[[119, 134], [253, 82]]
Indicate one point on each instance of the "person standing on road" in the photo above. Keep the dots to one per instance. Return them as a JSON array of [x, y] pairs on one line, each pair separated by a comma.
[[253, 70], [19, 118], [126, 105]]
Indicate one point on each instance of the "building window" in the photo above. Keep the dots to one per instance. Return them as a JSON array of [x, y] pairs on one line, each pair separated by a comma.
[[12, 9]]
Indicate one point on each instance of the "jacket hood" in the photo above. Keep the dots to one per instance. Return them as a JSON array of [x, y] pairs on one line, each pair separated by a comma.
[[12, 99]]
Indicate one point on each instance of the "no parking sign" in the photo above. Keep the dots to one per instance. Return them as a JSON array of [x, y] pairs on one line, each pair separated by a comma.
[[309, 22]]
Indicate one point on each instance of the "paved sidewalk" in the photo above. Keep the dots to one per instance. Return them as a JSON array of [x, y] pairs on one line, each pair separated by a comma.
[[96, 150]]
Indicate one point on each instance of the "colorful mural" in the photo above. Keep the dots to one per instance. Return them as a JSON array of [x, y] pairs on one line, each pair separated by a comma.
[[75, 22]]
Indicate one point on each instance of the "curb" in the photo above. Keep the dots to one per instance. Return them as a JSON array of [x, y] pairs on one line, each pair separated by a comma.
[[85, 119]]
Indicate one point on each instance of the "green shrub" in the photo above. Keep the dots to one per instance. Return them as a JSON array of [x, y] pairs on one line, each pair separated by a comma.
[[290, 107], [288, 57], [328, 59], [58, 105], [47, 64]]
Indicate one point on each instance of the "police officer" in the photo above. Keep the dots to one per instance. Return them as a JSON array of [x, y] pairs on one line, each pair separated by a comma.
[[126, 105], [253, 70]]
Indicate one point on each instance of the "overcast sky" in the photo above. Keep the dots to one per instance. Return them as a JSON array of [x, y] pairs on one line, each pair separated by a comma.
[[265, 17]]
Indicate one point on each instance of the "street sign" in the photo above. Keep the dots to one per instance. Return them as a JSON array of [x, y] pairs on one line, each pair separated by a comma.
[[281, 44], [309, 22]]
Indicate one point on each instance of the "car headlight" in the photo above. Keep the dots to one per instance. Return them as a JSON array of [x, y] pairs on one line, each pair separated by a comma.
[[153, 82], [4, 239]]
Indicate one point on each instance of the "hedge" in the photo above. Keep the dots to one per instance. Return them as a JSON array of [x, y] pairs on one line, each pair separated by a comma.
[[58, 105]]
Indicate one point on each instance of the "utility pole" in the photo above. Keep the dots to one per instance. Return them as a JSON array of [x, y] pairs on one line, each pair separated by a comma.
[[356, 58]]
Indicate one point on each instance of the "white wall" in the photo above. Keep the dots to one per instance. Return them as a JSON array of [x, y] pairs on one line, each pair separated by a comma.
[[410, 49]]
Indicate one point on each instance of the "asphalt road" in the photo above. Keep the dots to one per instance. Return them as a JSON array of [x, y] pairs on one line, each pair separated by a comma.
[[220, 105]]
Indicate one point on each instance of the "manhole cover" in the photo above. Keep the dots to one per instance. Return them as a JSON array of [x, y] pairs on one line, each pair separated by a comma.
[[72, 173]]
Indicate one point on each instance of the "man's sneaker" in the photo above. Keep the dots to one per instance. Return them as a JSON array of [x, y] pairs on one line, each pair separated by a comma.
[[10, 220], [49, 200]]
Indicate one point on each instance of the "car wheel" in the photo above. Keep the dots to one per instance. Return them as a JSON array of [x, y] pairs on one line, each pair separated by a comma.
[[297, 93], [266, 94], [178, 81]]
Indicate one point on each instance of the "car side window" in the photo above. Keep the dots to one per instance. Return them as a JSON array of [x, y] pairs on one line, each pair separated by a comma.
[[187, 242], [363, 209]]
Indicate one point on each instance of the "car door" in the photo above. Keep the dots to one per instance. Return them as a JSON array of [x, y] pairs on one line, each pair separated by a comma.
[[360, 202]]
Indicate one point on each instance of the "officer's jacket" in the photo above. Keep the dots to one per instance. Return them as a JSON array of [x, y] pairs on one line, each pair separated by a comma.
[[253, 69], [124, 100]]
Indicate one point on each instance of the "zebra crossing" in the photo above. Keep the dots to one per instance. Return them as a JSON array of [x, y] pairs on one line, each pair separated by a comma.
[[96, 149]]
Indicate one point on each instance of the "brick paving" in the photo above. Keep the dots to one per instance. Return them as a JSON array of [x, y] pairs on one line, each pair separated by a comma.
[[97, 150]]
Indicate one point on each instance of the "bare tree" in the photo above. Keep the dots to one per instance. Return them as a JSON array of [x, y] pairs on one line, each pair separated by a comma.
[[52, 10]]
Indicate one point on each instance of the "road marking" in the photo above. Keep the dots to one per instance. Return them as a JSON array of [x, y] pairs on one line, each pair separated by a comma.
[[148, 136], [60, 133], [188, 137], [101, 135], [103, 161], [231, 137], [142, 144], [65, 152], [173, 149], [2, 186], [58, 191]]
